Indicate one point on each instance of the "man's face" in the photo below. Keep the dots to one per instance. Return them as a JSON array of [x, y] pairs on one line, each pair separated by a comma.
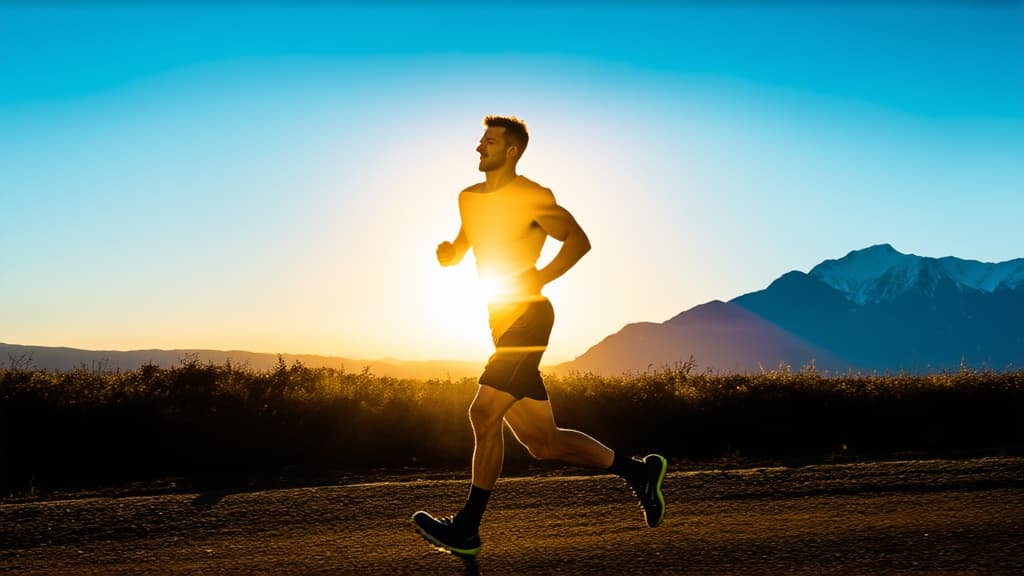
[[493, 149]]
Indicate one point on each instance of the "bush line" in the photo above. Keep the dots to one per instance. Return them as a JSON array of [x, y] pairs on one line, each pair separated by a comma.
[[223, 424]]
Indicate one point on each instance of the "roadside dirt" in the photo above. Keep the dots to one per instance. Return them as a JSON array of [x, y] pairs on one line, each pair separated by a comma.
[[917, 517]]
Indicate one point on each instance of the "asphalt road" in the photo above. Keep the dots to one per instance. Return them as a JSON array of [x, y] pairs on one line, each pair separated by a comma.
[[917, 517]]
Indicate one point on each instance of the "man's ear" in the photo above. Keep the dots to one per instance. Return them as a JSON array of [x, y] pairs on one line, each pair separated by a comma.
[[510, 154]]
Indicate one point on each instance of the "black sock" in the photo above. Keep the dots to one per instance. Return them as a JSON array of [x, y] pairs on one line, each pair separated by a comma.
[[626, 467], [470, 515]]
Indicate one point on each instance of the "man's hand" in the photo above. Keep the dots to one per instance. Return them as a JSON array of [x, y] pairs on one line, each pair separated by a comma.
[[451, 253], [446, 253]]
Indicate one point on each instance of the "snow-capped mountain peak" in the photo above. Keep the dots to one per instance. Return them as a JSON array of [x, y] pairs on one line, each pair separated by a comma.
[[984, 276], [881, 273], [856, 274]]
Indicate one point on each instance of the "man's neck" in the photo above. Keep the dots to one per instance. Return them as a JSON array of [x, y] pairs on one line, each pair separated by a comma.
[[499, 178]]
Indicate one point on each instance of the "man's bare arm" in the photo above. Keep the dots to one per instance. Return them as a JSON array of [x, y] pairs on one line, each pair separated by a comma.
[[451, 253], [560, 225]]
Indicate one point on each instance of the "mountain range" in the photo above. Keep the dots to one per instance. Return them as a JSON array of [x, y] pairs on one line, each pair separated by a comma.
[[875, 309]]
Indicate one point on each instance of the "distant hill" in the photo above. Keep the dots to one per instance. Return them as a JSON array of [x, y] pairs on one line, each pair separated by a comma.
[[64, 359], [720, 335], [875, 309]]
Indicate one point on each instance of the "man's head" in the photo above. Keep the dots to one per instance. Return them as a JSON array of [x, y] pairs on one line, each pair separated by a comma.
[[504, 141]]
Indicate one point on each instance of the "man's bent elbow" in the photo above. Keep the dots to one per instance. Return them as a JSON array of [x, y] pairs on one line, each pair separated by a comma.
[[583, 243]]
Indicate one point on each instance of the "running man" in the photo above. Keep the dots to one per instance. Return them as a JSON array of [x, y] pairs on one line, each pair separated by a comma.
[[505, 220]]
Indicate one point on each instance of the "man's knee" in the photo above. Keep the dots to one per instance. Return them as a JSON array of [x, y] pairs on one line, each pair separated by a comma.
[[485, 419]]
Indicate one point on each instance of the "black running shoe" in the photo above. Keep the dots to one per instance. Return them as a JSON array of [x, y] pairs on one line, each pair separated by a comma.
[[648, 489], [445, 536]]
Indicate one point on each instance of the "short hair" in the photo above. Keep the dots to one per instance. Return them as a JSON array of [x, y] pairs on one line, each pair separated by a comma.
[[515, 130]]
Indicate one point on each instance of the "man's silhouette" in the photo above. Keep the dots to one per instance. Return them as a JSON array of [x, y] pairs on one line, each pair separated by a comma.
[[505, 220]]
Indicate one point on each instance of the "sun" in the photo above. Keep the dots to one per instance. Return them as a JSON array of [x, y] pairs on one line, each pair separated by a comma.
[[457, 307], [487, 288]]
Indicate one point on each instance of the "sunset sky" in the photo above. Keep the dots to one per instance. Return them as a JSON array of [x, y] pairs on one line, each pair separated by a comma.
[[276, 178]]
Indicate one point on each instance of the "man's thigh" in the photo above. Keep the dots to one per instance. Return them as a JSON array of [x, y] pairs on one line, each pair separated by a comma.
[[531, 420]]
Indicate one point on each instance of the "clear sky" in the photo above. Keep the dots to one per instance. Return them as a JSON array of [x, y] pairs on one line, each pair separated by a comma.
[[276, 177]]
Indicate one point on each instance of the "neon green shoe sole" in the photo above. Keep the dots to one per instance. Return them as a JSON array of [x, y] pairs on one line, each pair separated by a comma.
[[653, 499]]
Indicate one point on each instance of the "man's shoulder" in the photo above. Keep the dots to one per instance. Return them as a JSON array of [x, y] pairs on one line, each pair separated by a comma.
[[469, 192], [478, 187], [524, 182], [530, 187]]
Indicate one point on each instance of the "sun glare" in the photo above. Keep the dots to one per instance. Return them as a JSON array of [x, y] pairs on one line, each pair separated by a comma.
[[487, 289], [458, 311]]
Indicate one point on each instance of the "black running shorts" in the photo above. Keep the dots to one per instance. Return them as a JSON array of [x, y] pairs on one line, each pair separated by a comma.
[[520, 331]]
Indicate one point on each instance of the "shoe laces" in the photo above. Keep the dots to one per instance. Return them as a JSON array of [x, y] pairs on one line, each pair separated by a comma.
[[638, 488]]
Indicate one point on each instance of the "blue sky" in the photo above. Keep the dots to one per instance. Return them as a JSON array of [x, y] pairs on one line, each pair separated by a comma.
[[275, 177]]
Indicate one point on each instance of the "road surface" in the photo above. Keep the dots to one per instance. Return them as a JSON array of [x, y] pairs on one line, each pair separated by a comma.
[[912, 517]]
